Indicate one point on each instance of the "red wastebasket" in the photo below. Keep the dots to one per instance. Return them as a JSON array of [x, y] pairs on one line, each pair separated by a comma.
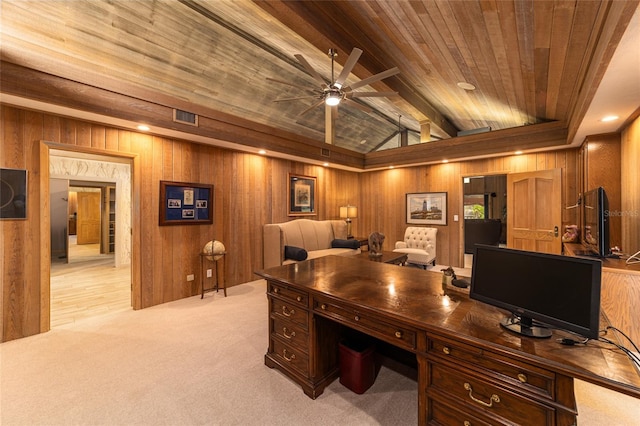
[[358, 367]]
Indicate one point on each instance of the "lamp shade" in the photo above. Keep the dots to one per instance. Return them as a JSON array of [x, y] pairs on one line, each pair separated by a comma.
[[348, 212]]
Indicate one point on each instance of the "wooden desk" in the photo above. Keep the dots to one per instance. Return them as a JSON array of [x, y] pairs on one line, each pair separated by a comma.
[[466, 361]]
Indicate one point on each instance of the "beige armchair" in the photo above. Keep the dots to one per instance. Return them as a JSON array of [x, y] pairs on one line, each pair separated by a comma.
[[419, 244]]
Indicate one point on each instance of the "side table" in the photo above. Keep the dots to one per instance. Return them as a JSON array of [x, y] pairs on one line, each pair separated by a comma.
[[364, 241], [203, 272]]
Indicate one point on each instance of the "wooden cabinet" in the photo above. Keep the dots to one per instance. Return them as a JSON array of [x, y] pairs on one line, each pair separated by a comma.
[[108, 239]]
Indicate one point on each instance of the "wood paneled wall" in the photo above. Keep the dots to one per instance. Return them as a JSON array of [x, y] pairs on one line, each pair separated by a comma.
[[383, 195], [249, 191], [630, 187]]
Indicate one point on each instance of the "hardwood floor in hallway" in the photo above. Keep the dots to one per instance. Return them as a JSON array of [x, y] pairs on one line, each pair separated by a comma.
[[87, 286]]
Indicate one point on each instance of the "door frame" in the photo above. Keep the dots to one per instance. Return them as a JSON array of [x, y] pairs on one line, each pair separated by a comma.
[[45, 225]]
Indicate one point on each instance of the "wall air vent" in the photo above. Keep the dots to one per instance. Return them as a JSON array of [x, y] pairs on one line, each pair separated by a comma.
[[185, 117], [325, 152]]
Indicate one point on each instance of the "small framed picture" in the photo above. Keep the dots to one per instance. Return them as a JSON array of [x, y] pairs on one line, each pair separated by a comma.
[[302, 195], [427, 208], [185, 203]]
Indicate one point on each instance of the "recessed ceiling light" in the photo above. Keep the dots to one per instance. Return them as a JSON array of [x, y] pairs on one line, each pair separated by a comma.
[[518, 153], [325, 164], [609, 118], [445, 161], [262, 152], [391, 167], [143, 128], [466, 86]]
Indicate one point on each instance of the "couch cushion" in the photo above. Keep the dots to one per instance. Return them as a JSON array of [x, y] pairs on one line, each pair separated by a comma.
[[295, 253], [348, 243]]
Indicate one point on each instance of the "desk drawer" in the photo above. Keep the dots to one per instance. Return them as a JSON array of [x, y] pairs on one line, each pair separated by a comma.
[[290, 312], [397, 335], [291, 333], [289, 294], [533, 379], [469, 393], [444, 414], [291, 357]]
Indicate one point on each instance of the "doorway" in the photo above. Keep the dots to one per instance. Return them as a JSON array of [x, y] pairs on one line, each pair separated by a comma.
[[94, 276]]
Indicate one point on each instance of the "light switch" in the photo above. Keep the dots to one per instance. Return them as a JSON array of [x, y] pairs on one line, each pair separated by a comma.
[[455, 217]]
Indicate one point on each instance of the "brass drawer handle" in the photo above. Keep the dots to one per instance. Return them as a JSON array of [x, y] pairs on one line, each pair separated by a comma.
[[287, 312], [446, 350], [299, 299], [522, 378], [276, 290], [399, 334], [494, 397], [467, 423], [290, 335], [357, 318], [288, 358], [323, 306]]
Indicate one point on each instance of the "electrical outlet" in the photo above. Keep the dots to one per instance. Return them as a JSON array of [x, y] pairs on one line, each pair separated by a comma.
[[209, 273], [190, 277]]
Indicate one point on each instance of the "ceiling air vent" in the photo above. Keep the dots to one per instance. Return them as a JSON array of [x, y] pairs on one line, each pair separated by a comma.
[[185, 117], [325, 152]]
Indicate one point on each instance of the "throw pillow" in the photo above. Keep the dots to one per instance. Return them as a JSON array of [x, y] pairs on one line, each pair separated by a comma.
[[352, 243], [295, 253]]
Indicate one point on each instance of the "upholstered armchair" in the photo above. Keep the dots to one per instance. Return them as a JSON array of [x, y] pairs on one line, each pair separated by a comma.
[[419, 244]]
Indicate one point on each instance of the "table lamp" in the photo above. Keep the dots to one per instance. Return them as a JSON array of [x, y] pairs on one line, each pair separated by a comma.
[[347, 213]]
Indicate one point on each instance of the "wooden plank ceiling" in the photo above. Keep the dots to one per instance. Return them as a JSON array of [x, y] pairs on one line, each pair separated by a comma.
[[529, 60]]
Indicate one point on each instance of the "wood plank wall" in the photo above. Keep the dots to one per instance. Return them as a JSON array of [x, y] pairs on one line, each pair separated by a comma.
[[249, 191], [383, 195], [630, 187]]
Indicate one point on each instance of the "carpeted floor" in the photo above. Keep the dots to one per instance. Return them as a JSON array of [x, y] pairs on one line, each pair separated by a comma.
[[194, 362]]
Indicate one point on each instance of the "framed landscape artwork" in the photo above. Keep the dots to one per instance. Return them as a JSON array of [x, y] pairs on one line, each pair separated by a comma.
[[184, 203], [302, 195], [427, 208]]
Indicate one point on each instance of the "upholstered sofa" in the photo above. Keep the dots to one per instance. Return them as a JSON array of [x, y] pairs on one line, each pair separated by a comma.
[[316, 237], [419, 244]]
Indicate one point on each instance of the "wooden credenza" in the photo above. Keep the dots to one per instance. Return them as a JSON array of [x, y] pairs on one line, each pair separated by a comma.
[[470, 370]]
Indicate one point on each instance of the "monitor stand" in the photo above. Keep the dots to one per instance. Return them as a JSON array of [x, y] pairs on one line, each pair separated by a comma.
[[525, 327]]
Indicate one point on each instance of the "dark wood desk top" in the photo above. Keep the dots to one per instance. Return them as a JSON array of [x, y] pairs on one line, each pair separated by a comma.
[[415, 298], [385, 257], [611, 264]]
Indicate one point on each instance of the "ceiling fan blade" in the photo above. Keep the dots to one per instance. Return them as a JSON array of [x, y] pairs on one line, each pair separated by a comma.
[[310, 70], [370, 94], [373, 78], [294, 99], [348, 66], [361, 107], [288, 83], [317, 104]]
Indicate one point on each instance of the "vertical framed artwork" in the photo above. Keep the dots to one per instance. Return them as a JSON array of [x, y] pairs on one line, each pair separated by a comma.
[[427, 208], [13, 194], [185, 203], [302, 195]]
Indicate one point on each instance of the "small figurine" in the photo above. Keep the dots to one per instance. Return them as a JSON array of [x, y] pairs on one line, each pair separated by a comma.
[[375, 244], [571, 234]]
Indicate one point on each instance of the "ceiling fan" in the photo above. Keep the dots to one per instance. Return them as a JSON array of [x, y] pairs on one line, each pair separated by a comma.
[[334, 92]]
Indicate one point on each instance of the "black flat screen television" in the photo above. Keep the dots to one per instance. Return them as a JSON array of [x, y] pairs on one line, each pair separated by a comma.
[[542, 291], [595, 223]]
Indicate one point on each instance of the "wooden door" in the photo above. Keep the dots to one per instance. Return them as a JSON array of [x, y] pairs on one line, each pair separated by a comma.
[[88, 226], [534, 211]]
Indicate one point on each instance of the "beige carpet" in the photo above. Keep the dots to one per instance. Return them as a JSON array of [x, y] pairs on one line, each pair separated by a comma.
[[197, 361]]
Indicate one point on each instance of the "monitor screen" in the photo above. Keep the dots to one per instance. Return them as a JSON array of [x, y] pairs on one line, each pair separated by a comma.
[[557, 291]]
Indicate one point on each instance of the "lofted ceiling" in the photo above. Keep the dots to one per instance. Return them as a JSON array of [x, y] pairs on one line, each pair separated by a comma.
[[530, 62]]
